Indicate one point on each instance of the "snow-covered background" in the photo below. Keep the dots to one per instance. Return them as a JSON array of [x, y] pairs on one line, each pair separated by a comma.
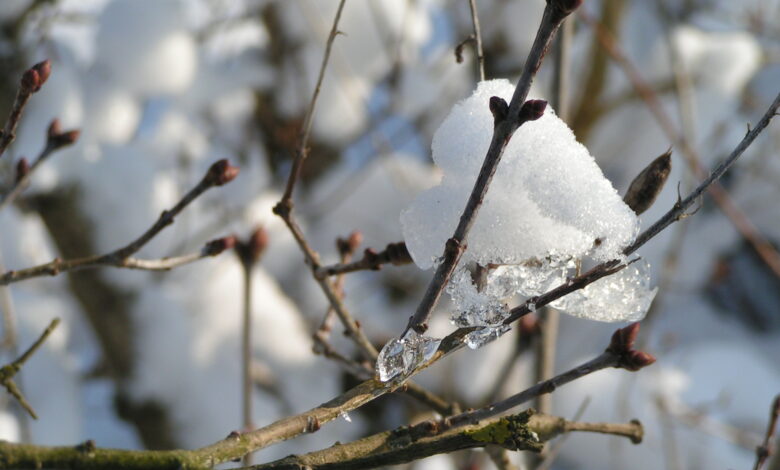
[[162, 88]]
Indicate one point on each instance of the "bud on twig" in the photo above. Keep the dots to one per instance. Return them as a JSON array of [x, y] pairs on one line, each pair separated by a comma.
[[257, 243], [645, 188], [221, 172], [350, 244], [215, 247], [565, 7], [622, 346], [532, 110], [34, 77], [56, 138], [499, 108], [22, 169]]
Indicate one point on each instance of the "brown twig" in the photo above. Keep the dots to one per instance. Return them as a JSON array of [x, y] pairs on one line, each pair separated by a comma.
[[55, 140], [346, 248], [284, 209], [303, 143], [249, 253], [768, 254], [764, 451], [32, 80], [394, 253], [507, 119], [8, 371], [619, 354], [218, 174], [477, 40]]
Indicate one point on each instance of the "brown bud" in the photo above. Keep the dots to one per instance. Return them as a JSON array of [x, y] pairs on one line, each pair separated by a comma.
[[257, 243], [349, 245], [499, 108], [532, 110], [44, 70], [22, 169], [215, 247], [636, 360], [30, 81], [565, 7], [529, 325], [623, 339], [645, 188], [54, 129], [221, 172], [398, 253], [34, 77]]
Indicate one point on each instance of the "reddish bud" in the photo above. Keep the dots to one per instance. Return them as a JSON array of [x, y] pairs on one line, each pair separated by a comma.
[[44, 70], [347, 246], [623, 339], [36, 76], [529, 325], [499, 108], [54, 128], [31, 81], [215, 247], [257, 243], [532, 110], [221, 172], [636, 360], [22, 169], [58, 138]]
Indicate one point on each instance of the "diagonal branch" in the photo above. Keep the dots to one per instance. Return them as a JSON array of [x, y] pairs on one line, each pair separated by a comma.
[[507, 120], [8, 371]]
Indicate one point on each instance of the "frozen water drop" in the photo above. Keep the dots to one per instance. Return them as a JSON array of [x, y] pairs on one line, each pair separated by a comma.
[[346, 417], [482, 336], [390, 362]]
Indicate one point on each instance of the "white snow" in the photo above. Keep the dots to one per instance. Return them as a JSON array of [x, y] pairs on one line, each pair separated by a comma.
[[548, 204]]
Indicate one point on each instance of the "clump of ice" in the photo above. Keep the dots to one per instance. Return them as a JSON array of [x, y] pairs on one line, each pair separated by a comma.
[[400, 356], [549, 205]]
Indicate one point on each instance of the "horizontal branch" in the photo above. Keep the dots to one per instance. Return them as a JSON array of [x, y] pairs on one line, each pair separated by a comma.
[[394, 253], [220, 173], [523, 431]]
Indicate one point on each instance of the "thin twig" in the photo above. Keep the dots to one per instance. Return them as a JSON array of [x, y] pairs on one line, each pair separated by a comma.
[[218, 174], [507, 120], [394, 253], [300, 156], [8, 371], [55, 140], [764, 451], [768, 254], [477, 40], [284, 209], [32, 80]]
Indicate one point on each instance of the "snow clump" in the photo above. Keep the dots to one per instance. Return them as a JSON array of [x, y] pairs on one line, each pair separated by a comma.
[[548, 208]]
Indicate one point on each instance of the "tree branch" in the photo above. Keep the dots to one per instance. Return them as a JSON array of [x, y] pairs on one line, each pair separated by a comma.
[[32, 80], [8, 371], [394, 253], [507, 120], [220, 173], [764, 451]]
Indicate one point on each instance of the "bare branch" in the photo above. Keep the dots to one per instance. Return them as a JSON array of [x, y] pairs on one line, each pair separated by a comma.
[[517, 112], [394, 253], [32, 80], [477, 40], [8, 371], [764, 451], [218, 174]]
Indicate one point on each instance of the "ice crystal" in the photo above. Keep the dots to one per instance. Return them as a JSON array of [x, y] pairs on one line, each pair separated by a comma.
[[400, 356]]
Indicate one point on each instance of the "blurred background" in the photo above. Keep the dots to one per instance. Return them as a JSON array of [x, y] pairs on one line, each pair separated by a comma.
[[162, 88]]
